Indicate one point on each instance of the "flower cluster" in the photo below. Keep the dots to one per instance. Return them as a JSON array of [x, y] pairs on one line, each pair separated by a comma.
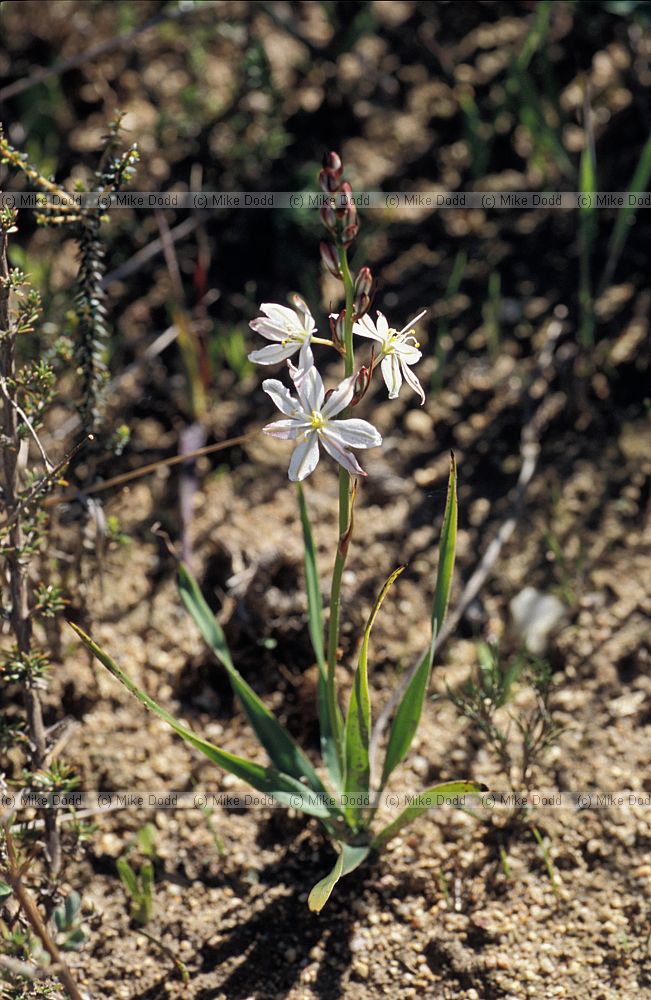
[[310, 416], [310, 419]]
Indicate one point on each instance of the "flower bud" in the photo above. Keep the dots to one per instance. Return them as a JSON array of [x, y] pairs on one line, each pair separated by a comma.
[[362, 292], [363, 281], [340, 324], [328, 217], [300, 305], [337, 339], [332, 161], [350, 217], [362, 383], [349, 234], [343, 200], [330, 259], [328, 181]]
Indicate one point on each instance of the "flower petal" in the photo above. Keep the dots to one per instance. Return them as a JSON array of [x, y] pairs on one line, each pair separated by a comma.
[[340, 397], [412, 381], [355, 433], [407, 353], [284, 429], [365, 327], [382, 325], [281, 316], [309, 387], [391, 373], [305, 358], [335, 448], [268, 329], [282, 397], [272, 354], [304, 458]]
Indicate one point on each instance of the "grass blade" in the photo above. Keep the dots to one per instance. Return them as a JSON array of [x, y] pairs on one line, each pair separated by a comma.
[[357, 731], [625, 216], [443, 341], [283, 751], [409, 711], [315, 626], [284, 788], [348, 860], [436, 796], [587, 230], [127, 877]]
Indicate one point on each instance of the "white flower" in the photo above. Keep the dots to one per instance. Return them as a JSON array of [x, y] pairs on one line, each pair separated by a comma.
[[310, 421], [399, 350], [291, 330]]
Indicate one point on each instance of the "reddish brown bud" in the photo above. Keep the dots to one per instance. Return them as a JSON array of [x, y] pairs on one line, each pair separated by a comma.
[[337, 331], [350, 217], [362, 292], [328, 217], [349, 234], [332, 161], [329, 258], [361, 305], [362, 383], [363, 281], [328, 181]]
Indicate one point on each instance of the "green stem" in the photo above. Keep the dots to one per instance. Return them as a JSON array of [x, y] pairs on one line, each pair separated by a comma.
[[344, 530]]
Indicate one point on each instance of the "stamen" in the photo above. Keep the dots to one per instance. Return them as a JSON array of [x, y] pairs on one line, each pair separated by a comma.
[[414, 320]]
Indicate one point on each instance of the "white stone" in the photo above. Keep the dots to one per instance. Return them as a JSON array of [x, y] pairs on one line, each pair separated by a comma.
[[535, 616]]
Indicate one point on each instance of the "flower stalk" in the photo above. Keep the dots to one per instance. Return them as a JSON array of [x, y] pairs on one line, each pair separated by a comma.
[[345, 524]]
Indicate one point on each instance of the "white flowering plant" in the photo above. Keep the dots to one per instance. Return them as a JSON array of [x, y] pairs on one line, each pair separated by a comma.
[[344, 794]]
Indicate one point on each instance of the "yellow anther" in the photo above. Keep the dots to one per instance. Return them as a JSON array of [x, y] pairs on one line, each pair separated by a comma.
[[317, 420]]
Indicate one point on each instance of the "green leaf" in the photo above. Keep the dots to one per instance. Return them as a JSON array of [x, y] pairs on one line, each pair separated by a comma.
[[5, 890], [285, 789], [315, 626], [283, 751], [75, 940], [72, 906], [146, 837], [447, 552], [328, 741], [626, 214], [357, 732], [147, 882], [436, 796], [128, 877], [409, 711], [348, 860]]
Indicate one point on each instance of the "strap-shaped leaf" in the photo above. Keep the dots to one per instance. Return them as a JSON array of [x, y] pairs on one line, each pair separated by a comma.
[[128, 876], [357, 732], [438, 795], [347, 861], [315, 626], [283, 751], [407, 717], [284, 788]]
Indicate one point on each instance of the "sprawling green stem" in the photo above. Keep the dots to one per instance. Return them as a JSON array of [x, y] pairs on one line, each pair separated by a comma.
[[345, 515]]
